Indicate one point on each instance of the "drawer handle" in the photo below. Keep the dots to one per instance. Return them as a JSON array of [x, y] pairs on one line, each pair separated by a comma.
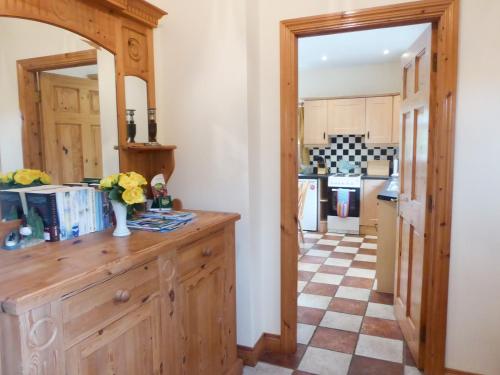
[[122, 296], [207, 252]]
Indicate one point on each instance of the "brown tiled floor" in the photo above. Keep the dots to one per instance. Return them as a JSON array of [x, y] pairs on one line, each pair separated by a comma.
[[345, 327]]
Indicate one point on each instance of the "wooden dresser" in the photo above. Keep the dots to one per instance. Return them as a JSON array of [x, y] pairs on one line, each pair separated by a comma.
[[147, 304]]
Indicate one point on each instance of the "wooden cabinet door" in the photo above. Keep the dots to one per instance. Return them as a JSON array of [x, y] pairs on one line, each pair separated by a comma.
[[315, 122], [202, 347], [396, 109], [379, 120], [371, 188], [71, 127], [346, 116], [410, 290], [129, 346]]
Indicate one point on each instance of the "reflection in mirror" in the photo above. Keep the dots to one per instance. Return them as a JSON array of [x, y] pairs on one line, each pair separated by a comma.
[[69, 102], [136, 99]]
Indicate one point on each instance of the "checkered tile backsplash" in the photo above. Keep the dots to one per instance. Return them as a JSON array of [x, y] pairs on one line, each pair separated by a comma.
[[353, 149]]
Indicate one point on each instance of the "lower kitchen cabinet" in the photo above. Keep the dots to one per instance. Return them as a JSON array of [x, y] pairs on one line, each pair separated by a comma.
[[369, 201]]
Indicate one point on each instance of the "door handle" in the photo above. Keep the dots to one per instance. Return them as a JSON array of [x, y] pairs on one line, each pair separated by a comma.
[[368, 134], [324, 135]]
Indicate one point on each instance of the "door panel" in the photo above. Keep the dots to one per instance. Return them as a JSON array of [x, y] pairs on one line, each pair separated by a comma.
[[379, 116], [70, 127], [412, 245]]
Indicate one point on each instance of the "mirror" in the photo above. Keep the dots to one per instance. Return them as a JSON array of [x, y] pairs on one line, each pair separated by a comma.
[[136, 101], [67, 97]]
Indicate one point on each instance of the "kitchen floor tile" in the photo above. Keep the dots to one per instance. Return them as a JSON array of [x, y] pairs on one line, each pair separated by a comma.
[[408, 358], [313, 235], [409, 370], [348, 306], [320, 289], [338, 262], [290, 361], [306, 245], [341, 255], [366, 245], [379, 297], [328, 242], [364, 258], [381, 327], [305, 276], [310, 240], [318, 246], [370, 366], [266, 369], [332, 269], [346, 249], [363, 265], [367, 252], [353, 239], [357, 282], [380, 348], [379, 310], [348, 292], [333, 236], [312, 259], [307, 315], [371, 237], [325, 362], [327, 278], [361, 272], [318, 253], [334, 339], [349, 244], [309, 267], [301, 285], [311, 300], [346, 322], [304, 333]]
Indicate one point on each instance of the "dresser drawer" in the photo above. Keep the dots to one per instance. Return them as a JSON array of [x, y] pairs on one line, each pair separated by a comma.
[[199, 254], [101, 304]]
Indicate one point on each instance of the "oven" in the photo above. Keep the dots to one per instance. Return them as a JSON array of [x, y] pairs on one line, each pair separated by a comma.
[[354, 201]]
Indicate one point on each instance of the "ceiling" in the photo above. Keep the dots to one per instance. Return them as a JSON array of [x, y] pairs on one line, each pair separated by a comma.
[[357, 48]]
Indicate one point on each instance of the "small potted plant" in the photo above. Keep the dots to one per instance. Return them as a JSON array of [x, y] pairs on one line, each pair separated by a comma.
[[124, 190]]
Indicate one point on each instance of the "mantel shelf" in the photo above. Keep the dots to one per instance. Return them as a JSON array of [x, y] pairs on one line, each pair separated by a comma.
[[141, 147]]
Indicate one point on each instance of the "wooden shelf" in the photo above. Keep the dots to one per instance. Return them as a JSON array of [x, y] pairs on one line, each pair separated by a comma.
[[143, 147]]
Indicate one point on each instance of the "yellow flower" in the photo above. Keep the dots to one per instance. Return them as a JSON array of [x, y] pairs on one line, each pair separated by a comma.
[[133, 195], [108, 182], [10, 176], [45, 178], [127, 182], [24, 177], [141, 181], [4, 179]]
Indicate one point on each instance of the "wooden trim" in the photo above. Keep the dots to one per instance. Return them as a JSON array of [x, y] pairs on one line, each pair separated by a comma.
[[449, 371], [349, 97], [268, 342], [443, 14], [27, 69]]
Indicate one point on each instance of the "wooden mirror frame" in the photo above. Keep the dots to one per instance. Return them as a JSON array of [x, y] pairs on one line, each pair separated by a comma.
[[123, 27]]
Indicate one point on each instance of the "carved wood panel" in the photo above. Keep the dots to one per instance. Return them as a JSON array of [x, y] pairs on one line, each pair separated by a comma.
[[135, 52]]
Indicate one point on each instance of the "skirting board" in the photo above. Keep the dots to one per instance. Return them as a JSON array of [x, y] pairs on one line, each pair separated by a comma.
[[449, 371], [268, 342]]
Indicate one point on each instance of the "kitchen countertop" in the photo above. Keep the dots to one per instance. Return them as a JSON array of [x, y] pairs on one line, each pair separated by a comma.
[[390, 191], [366, 177]]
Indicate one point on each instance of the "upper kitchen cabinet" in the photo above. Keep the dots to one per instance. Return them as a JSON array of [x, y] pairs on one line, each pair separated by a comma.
[[315, 122], [379, 119], [346, 116], [396, 108]]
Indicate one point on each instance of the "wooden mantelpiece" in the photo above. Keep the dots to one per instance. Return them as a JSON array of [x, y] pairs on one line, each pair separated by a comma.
[[65, 304]]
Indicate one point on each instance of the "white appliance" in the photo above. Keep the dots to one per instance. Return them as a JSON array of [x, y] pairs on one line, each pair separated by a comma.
[[309, 219], [351, 183]]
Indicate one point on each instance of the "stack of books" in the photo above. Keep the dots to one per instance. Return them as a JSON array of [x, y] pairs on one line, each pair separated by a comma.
[[159, 221], [66, 211]]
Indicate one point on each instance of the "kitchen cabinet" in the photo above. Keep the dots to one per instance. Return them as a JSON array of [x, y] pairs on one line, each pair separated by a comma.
[[379, 120], [368, 215], [316, 122], [346, 116], [396, 108]]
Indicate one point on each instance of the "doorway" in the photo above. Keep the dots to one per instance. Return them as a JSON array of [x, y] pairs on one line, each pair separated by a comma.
[[59, 99], [443, 16]]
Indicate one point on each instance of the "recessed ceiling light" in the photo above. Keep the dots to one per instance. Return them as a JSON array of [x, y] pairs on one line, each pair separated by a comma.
[[406, 54], [324, 57], [386, 51]]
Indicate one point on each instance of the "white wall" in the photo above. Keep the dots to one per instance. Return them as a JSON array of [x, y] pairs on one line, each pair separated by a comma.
[[218, 99], [136, 97], [22, 39], [370, 79]]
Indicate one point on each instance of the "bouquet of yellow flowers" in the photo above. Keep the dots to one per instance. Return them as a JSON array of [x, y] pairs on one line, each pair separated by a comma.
[[126, 188], [24, 177]]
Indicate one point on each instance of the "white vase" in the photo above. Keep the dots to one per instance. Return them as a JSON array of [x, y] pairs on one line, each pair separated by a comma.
[[120, 210]]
